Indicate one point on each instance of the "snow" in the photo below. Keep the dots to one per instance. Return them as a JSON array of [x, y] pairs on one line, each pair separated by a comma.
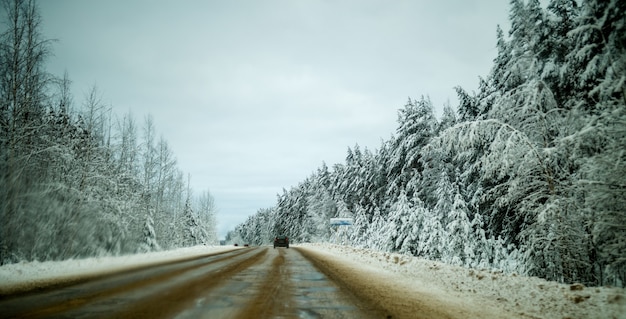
[[26, 276], [485, 292]]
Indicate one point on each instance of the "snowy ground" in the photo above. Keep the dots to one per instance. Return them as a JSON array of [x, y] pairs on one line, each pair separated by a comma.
[[524, 296]]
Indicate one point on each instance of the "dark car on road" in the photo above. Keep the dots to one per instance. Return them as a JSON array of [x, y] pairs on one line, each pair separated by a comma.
[[281, 241]]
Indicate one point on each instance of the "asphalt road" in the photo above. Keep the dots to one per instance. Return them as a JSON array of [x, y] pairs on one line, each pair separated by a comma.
[[256, 282]]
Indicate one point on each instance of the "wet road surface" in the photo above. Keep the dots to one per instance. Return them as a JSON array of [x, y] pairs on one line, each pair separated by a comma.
[[259, 282]]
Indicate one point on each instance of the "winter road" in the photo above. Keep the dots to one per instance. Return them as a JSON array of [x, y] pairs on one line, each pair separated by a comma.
[[258, 282]]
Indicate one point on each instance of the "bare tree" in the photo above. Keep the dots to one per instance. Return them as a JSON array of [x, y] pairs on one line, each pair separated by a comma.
[[22, 85]]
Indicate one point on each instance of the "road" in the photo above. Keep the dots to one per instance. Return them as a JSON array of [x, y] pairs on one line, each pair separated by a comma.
[[256, 282]]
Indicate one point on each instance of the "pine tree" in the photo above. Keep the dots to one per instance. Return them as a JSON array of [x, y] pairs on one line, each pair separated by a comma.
[[448, 119], [360, 228], [483, 257], [150, 240], [417, 125], [396, 226], [460, 248], [191, 227], [599, 52], [468, 105], [413, 230], [376, 233]]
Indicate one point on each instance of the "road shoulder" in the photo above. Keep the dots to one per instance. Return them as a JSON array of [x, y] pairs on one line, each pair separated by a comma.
[[399, 295], [25, 277]]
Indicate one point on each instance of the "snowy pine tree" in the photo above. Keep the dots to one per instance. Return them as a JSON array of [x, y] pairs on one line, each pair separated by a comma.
[[459, 250], [150, 240], [396, 225], [528, 176]]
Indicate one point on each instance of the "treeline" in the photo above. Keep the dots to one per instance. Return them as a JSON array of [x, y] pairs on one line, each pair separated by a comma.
[[527, 175], [82, 182]]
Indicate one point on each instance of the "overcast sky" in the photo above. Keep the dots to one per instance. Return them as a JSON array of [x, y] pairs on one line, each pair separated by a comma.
[[252, 96]]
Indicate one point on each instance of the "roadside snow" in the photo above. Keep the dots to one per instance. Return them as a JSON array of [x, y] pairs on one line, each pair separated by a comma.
[[526, 297], [15, 278]]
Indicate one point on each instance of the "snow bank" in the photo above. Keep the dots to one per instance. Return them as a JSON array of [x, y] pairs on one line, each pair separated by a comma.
[[529, 297], [23, 276]]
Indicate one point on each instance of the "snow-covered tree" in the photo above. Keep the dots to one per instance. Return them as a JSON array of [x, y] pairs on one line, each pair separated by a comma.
[[527, 177], [191, 231], [206, 211], [72, 184], [150, 239], [321, 209], [417, 125], [375, 237], [396, 225], [413, 228], [360, 227], [459, 250]]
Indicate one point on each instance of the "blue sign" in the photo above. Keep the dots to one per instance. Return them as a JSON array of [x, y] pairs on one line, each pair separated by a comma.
[[341, 222]]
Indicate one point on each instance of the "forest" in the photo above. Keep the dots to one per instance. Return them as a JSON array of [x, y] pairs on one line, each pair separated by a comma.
[[527, 175], [77, 180]]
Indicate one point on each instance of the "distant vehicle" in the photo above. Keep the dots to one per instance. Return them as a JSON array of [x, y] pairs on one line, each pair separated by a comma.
[[246, 245], [236, 245], [281, 241]]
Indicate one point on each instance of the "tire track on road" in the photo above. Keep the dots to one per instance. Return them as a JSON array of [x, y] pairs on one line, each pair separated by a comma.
[[251, 293], [168, 302], [274, 294], [100, 289]]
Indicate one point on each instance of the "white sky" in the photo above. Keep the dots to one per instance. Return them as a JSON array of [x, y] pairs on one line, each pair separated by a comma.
[[252, 96]]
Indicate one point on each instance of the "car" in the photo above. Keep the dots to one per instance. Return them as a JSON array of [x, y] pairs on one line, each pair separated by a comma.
[[281, 241]]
